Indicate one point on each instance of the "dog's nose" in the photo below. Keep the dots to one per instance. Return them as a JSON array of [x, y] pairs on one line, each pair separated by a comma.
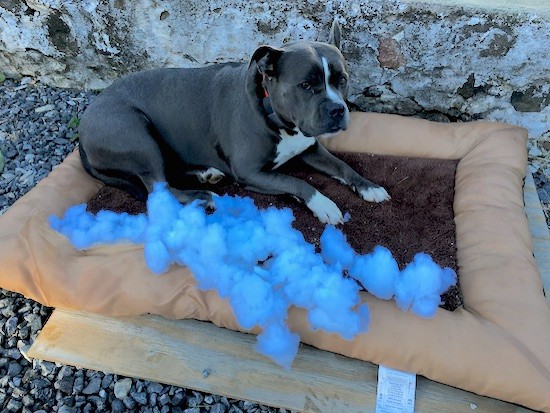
[[336, 110]]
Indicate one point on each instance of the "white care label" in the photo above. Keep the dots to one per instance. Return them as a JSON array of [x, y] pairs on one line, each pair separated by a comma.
[[396, 391]]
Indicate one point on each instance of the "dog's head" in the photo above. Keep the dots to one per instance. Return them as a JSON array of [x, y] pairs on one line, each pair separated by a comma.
[[307, 83]]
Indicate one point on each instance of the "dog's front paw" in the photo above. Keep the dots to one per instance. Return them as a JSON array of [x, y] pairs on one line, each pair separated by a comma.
[[374, 194], [325, 209]]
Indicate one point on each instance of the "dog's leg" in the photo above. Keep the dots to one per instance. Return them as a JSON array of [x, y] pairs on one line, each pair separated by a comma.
[[185, 196], [322, 160], [275, 183], [121, 151]]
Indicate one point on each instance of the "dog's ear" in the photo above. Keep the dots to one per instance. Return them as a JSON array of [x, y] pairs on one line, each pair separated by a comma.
[[266, 59], [335, 34]]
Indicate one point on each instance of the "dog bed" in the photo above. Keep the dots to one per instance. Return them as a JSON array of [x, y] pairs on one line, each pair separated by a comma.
[[497, 344]]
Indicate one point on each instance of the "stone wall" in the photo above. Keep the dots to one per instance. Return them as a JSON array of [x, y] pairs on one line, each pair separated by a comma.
[[440, 61]]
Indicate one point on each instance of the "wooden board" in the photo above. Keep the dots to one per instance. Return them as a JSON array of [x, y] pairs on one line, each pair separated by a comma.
[[539, 231], [201, 356]]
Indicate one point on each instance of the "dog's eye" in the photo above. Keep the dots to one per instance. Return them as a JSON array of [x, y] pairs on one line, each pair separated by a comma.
[[305, 85], [343, 80]]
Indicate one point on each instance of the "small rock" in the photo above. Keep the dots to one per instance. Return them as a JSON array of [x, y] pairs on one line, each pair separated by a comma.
[[535, 151], [66, 384], [45, 108], [14, 369], [11, 154], [140, 397], [117, 406], [11, 342], [64, 372], [18, 393], [46, 367], [24, 333], [14, 405], [66, 409], [11, 326], [178, 398], [196, 400], [225, 402], [34, 322], [155, 388], [129, 402], [78, 385], [164, 399], [99, 402], [122, 388], [93, 386], [59, 141], [27, 400], [13, 353], [543, 196], [106, 381], [218, 408], [41, 383], [29, 375], [79, 401]]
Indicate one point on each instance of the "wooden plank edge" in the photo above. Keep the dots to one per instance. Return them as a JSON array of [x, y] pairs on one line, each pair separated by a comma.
[[539, 231], [201, 356]]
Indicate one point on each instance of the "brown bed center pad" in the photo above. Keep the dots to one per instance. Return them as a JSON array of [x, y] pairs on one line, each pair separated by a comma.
[[419, 217]]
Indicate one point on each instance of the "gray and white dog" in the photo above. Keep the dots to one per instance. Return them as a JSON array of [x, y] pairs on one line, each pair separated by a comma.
[[239, 120]]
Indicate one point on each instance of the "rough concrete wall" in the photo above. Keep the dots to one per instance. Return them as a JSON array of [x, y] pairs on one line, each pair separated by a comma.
[[408, 58]]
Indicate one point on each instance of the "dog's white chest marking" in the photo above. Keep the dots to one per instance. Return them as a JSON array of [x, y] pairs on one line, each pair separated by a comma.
[[290, 146]]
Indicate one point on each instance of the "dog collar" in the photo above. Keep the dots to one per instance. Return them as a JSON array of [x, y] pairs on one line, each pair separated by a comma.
[[275, 119], [264, 81]]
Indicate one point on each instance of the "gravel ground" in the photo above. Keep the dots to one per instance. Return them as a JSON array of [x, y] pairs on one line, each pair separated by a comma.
[[38, 128]]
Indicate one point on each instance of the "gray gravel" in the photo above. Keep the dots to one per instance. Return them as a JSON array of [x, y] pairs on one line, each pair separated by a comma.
[[37, 130], [36, 133]]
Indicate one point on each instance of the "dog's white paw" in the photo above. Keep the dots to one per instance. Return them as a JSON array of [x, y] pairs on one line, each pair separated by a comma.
[[211, 176], [325, 209], [374, 194]]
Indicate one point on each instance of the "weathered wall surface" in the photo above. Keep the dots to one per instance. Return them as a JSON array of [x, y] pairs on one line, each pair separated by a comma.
[[405, 57]]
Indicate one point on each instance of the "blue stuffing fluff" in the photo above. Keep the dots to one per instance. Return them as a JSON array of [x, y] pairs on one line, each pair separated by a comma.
[[262, 265]]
